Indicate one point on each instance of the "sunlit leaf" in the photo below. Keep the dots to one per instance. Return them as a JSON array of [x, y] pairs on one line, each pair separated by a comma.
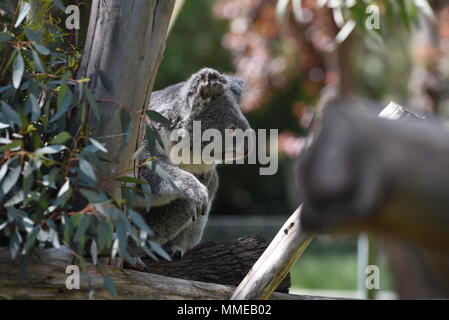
[[158, 249], [10, 180], [18, 69], [65, 188], [23, 11], [87, 169], [50, 149], [94, 252], [98, 145]]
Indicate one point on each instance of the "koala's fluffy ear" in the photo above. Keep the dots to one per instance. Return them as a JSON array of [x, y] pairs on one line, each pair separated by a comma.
[[237, 86]]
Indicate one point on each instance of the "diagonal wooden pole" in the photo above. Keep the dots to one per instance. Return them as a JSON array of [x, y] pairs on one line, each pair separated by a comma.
[[275, 263]]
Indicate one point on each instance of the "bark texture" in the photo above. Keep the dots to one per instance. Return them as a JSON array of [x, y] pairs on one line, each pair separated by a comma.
[[46, 279], [124, 46], [217, 262]]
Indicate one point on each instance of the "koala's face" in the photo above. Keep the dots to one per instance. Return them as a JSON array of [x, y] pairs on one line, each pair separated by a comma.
[[215, 105]]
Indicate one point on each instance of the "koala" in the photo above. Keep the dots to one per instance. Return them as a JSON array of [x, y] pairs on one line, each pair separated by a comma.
[[214, 99]]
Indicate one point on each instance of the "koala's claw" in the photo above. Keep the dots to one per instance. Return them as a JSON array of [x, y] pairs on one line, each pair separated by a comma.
[[201, 210], [176, 252], [200, 198], [140, 265]]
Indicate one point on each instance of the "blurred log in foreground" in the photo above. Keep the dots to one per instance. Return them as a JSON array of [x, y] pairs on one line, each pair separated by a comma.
[[367, 173], [391, 178]]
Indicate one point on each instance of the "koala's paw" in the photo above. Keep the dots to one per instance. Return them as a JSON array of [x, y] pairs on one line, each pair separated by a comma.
[[200, 197], [176, 252], [208, 83]]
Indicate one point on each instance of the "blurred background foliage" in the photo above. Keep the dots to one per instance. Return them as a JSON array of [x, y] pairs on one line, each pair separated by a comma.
[[295, 56]]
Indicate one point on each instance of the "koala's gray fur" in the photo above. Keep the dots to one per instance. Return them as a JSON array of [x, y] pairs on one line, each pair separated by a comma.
[[214, 99]]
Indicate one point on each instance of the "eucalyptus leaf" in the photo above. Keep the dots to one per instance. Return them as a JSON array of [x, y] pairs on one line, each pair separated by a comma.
[[5, 37], [37, 61], [122, 233], [10, 180], [61, 138], [14, 244], [65, 99], [148, 196], [35, 110], [92, 102], [94, 252], [23, 11], [104, 232], [65, 188], [109, 284], [10, 114], [18, 69], [93, 196], [158, 249], [157, 117], [50, 149], [14, 145], [41, 49], [87, 169], [137, 219], [98, 145], [82, 228]]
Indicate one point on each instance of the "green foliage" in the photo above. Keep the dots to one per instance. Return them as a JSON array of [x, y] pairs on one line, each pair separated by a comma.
[[49, 190]]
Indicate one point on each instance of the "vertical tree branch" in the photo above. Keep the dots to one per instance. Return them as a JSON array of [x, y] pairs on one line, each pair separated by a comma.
[[124, 47]]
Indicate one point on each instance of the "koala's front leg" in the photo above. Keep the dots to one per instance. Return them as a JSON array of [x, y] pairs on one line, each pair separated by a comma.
[[164, 193]]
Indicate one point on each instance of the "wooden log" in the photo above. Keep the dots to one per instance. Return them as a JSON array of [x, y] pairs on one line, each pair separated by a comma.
[[224, 262], [275, 263], [46, 279]]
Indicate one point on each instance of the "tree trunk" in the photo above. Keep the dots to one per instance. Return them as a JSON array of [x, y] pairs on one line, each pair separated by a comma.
[[218, 262], [123, 50]]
